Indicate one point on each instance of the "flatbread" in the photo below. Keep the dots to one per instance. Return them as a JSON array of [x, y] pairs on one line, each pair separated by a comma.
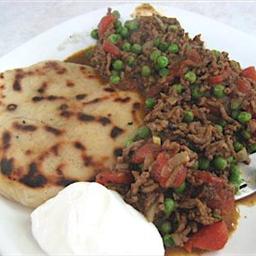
[[59, 124]]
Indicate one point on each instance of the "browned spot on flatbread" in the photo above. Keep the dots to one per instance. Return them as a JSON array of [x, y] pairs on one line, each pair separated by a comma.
[[66, 113], [6, 139], [104, 120], [87, 160], [55, 149], [28, 152], [63, 107], [55, 66], [26, 128], [122, 100], [53, 130], [109, 89], [96, 100], [33, 179], [6, 166], [79, 145], [85, 117], [65, 182], [116, 131], [80, 96], [11, 107], [136, 107], [37, 98], [1, 75], [53, 97], [118, 152], [42, 87], [70, 83], [16, 85]]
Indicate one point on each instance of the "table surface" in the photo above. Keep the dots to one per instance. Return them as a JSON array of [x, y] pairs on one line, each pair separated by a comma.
[[22, 20]]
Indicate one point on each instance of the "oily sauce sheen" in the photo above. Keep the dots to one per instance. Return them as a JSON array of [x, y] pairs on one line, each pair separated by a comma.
[[83, 57]]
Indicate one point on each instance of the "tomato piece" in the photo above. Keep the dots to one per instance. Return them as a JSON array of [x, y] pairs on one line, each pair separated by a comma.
[[144, 151], [180, 177], [211, 237], [207, 177], [165, 178], [243, 86], [105, 22], [216, 79], [249, 72], [107, 177], [161, 161], [111, 48], [223, 198]]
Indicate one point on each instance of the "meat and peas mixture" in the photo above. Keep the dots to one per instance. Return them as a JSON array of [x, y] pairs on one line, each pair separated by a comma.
[[181, 168]]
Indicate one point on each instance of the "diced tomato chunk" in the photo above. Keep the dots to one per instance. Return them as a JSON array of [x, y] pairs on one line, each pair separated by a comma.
[[249, 72], [243, 86], [149, 149], [174, 178], [216, 79], [111, 48], [212, 237], [108, 177], [105, 22]]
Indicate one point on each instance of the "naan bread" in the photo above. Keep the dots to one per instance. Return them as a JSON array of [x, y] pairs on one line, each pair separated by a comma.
[[59, 124]]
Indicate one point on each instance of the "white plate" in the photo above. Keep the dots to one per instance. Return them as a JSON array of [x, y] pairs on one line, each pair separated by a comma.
[[73, 35]]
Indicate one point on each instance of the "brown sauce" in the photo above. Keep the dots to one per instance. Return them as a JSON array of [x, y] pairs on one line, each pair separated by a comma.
[[248, 201], [82, 57]]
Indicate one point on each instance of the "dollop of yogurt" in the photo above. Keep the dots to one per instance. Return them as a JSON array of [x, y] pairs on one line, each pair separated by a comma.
[[86, 218]]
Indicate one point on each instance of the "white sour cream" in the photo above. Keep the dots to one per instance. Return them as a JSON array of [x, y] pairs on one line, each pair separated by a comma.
[[88, 219]]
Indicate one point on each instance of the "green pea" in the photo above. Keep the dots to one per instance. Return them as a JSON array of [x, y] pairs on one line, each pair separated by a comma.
[[166, 227], [203, 163], [238, 146], [246, 134], [115, 79], [126, 47], [235, 104], [114, 38], [196, 92], [136, 48], [128, 142], [220, 163], [163, 46], [218, 91], [234, 114], [94, 34], [252, 148], [162, 62], [118, 65], [154, 55], [244, 117], [178, 88], [188, 116], [181, 188], [168, 241], [145, 71], [157, 42], [231, 160], [142, 133], [164, 72], [124, 32], [116, 14], [131, 61], [118, 24], [190, 76], [173, 48], [169, 206], [132, 25], [223, 123], [235, 176], [219, 127], [216, 53], [150, 103], [173, 27]]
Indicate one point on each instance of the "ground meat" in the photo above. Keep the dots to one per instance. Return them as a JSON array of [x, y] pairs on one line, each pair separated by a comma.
[[197, 102]]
